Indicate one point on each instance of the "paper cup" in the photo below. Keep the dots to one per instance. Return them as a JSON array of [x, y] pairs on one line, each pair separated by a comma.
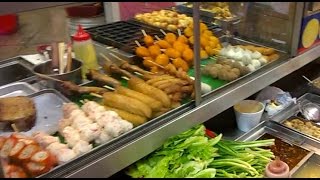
[[247, 120]]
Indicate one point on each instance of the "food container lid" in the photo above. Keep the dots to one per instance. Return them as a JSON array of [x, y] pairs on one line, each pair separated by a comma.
[[81, 35]]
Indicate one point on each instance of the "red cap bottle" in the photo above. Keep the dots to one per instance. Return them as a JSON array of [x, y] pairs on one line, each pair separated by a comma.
[[81, 35]]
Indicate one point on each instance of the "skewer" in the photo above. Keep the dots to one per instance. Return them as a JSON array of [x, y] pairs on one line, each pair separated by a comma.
[[69, 58], [55, 55], [125, 78], [164, 33], [179, 32], [14, 127], [307, 79], [96, 95], [157, 37], [48, 77], [105, 57], [155, 64], [117, 57], [137, 42], [108, 87], [144, 32], [61, 48]]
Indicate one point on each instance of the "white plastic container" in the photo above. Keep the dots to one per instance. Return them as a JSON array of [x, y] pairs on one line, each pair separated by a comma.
[[248, 114]]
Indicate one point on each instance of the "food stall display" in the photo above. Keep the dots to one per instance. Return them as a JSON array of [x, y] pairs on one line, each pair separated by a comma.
[[219, 10], [165, 19], [126, 101]]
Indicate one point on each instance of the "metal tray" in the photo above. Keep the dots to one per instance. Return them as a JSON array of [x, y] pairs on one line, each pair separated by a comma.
[[287, 135], [17, 89], [208, 16], [315, 159], [237, 41], [314, 89], [122, 34], [211, 26], [293, 112], [15, 69], [48, 104], [293, 109]]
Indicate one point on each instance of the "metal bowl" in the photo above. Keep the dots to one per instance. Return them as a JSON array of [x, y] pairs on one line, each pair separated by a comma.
[[46, 69]]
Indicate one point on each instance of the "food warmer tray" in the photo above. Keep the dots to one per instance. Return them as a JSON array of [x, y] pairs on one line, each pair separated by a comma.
[[212, 27], [205, 15], [225, 41], [122, 34], [16, 69], [293, 111], [17, 89], [314, 89], [48, 105], [285, 134]]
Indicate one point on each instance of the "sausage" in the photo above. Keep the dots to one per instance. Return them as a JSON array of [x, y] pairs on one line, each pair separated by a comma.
[[133, 68], [154, 104], [136, 120], [22, 138], [13, 171], [7, 146], [159, 78], [35, 169], [140, 86], [127, 103], [107, 80], [83, 89], [273, 57], [172, 88], [16, 150], [28, 152], [172, 81], [44, 157]]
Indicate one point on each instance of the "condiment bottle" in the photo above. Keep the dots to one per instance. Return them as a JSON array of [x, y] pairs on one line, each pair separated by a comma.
[[277, 169], [84, 51]]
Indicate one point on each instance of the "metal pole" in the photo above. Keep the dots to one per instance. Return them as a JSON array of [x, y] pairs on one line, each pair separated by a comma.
[[196, 50], [298, 16]]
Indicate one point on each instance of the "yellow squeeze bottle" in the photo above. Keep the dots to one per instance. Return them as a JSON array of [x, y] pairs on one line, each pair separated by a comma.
[[84, 51]]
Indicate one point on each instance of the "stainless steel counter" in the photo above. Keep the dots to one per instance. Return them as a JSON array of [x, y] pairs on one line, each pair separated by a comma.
[[106, 161]]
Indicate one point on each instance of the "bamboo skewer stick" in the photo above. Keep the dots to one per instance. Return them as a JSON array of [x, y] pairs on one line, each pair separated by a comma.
[[162, 31], [108, 87], [14, 127], [157, 37], [48, 77], [55, 55], [144, 32], [96, 95], [179, 32], [61, 47], [117, 57], [125, 78], [105, 57], [137, 42], [69, 58], [307, 79], [155, 63]]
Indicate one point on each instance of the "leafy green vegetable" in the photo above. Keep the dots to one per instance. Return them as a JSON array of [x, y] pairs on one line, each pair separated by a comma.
[[192, 154]]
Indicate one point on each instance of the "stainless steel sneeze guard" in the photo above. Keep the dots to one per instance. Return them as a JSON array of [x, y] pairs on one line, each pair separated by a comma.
[[106, 161]]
